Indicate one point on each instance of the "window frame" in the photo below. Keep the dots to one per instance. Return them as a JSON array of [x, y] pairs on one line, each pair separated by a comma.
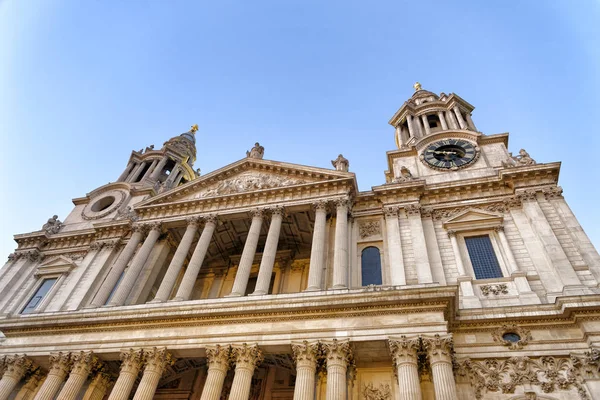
[[496, 246], [380, 265], [379, 246]]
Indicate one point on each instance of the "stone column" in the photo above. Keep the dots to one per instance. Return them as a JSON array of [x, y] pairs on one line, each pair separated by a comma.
[[411, 128], [118, 267], [136, 165], [28, 390], [426, 124], [317, 251], [340, 260], [451, 118], [413, 213], [172, 176], [443, 120], [268, 258], [157, 360], [338, 356], [82, 364], [247, 358], [149, 170], [404, 357], [161, 164], [439, 350], [243, 271], [305, 355], [60, 364], [433, 248], [98, 387], [459, 117], [131, 361], [132, 273], [126, 172], [470, 122], [218, 358], [166, 286], [136, 172], [191, 273], [15, 367], [394, 247]]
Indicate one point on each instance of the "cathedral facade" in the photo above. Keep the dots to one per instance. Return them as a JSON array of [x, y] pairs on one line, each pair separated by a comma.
[[465, 275]]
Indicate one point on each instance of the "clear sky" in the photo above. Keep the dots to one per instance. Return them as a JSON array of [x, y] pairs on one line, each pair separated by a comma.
[[82, 83]]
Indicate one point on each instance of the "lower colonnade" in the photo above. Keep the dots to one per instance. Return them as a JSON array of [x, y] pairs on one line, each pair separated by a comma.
[[84, 375]]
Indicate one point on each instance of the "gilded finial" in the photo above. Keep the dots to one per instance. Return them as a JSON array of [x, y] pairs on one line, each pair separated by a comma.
[[417, 86], [194, 128]]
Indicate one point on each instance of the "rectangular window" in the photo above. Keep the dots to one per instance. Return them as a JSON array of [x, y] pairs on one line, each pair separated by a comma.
[[484, 261], [39, 295]]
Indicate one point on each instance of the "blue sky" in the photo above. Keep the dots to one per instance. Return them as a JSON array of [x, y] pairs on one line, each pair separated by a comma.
[[82, 83]]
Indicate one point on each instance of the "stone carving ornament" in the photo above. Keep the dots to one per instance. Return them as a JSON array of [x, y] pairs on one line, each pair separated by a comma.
[[518, 161], [383, 392], [341, 163], [257, 151], [499, 335], [405, 175], [494, 289], [127, 213], [369, 228], [53, 225], [504, 375], [250, 181]]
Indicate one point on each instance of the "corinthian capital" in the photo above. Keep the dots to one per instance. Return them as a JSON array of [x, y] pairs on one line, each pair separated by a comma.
[[305, 353], [257, 213], [16, 366], [246, 356], [404, 350], [131, 360], [60, 364], [343, 202], [439, 348], [158, 359], [277, 210], [390, 212], [83, 362], [211, 219], [219, 357], [337, 352], [412, 209], [320, 205], [193, 221]]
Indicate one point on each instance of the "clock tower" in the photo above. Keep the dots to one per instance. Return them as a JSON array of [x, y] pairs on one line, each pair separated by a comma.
[[437, 140]]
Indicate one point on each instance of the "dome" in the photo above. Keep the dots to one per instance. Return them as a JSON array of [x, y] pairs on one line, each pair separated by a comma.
[[189, 136]]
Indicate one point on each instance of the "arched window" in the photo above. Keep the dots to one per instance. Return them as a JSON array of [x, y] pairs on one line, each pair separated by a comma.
[[371, 266]]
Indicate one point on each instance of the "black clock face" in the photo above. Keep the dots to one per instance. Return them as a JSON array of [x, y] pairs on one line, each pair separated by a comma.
[[450, 154]]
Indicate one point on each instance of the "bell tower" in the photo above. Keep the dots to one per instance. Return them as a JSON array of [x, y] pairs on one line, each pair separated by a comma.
[[426, 113], [165, 168]]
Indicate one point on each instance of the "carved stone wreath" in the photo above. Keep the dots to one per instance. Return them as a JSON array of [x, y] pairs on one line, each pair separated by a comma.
[[524, 334], [494, 289], [88, 213], [369, 228]]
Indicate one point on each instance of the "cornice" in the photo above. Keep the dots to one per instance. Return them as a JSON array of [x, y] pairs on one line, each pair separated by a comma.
[[317, 305]]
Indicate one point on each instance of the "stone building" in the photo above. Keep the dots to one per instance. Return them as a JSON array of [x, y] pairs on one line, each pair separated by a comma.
[[465, 275]]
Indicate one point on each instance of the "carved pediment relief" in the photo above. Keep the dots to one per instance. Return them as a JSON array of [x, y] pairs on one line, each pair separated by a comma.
[[248, 175], [473, 218]]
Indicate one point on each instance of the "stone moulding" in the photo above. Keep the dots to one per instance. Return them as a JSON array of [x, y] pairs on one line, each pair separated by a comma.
[[496, 290], [524, 334]]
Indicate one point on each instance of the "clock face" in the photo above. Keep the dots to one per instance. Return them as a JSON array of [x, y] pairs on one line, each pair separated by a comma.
[[450, 154]]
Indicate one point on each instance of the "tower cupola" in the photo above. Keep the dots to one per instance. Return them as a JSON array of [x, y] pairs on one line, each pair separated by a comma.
[[165, 168], [427, 113]]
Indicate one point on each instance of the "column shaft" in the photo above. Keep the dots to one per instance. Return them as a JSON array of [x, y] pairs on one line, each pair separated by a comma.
[[439, 350], [136, 173], [126, 172], [470, 122], [419, 244], [394, 247], [404, 354], [98, 387], [340, 260], [136, 266], [317, 251], [15, 368], [156, 172], [305, 355], [426, 124], [166, 286], [218, 364], [337, 356], [460, 266], [442, 120], [243, 271], [156, 362], [27, 392], [246, 360], [131, 361], [411, 128], [58, 372], [459, 117], [191, 273], [83, 363], [451, 118], [149, 170], [118, 267], [268, 259]]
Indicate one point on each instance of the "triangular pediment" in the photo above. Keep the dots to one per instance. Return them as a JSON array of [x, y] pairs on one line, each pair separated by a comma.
[[248, 175], [473, 218], [56, 265]]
